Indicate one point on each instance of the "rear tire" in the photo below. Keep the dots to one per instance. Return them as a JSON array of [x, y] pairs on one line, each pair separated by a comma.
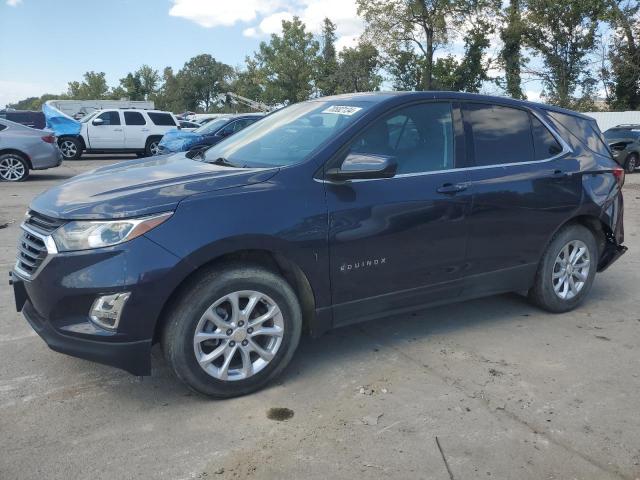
[[566, 271], [632, 163], [13, 168], [71, 148], [151, 147], [224, 352]]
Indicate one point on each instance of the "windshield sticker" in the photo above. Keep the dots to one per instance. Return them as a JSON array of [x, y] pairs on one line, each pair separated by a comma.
[[342, 110]]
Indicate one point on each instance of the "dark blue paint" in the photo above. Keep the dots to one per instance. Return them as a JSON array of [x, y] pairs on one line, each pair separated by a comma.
[[366, 248]]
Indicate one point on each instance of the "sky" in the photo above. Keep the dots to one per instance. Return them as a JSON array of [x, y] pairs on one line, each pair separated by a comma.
[[55, 42]]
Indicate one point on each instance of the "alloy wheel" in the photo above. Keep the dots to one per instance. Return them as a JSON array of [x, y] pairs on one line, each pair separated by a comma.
[[68, 149], [154, 148], [238, 335], [571, 270], [11, 168]]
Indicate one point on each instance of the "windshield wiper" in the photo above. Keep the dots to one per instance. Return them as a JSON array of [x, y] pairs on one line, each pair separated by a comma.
[[225, 163]]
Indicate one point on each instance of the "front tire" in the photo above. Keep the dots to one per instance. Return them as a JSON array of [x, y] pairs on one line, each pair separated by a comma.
[[232, 331], [566, 271], [632, 163], [13, 167], [71, 148]]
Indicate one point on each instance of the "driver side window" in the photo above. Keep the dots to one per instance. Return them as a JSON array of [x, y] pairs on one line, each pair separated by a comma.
[[419, 137], [110, 118]]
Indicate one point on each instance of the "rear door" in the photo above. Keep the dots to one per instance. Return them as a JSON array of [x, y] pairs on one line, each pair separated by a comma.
[[523, 188], [136, 130], [109, 134], [400, 242]]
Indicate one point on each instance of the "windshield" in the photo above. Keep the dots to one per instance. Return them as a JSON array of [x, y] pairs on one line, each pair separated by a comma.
[[86, 118], [288, 136], [212, 126]]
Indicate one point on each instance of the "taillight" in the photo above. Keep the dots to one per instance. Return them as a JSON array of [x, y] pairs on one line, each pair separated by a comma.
[[49, 138], [618, 172]]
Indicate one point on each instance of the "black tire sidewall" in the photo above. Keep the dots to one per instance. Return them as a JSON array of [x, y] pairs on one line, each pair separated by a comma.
[[150, 141], [543, 293], [178, 338], [627, 166]]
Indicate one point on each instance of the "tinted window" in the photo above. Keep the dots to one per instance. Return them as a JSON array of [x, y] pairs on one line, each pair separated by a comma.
[[110, 118], [419, 137], [500, 134], [585, 131], [134, 118], [544, 143], [162, 119], [2, 127]]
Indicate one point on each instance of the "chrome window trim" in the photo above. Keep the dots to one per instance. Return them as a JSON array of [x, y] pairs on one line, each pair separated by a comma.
[[566, 149], [50, 245]]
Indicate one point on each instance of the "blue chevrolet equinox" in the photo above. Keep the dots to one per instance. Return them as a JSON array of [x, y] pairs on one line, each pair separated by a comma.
[[325, 213]]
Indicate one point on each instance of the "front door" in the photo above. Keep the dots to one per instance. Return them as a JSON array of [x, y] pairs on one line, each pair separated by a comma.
[[400, 242], [107, 135]]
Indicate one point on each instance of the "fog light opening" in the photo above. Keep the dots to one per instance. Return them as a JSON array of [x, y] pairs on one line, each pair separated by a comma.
[[107, 309]]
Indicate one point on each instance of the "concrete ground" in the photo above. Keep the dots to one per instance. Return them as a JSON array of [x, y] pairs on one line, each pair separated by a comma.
[[492, 388]]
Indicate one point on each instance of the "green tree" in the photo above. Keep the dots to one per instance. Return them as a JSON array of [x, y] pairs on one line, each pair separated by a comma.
[[33, 103], [169, 95], [562, 34], [288, 63], [202, 80], [249, 82], [511, 53], [405, 67], [624, 54], [357, 69], [93, 87], [327, 61]]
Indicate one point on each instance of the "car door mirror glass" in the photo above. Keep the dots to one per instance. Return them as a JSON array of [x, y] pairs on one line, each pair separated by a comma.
[[364, 166], [98, 121]]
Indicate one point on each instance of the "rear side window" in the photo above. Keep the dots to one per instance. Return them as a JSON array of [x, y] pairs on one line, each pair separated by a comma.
[[110, 118], [134, 118], [2, 127], [162, 119], [545, 144], [585, 131], [500, 134]]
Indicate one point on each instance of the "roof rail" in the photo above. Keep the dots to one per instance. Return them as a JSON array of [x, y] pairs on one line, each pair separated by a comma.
[[633, 125]]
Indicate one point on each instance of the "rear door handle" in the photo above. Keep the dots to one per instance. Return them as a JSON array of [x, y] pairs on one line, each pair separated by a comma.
[[451, 188], [117, 129], [559, 173]]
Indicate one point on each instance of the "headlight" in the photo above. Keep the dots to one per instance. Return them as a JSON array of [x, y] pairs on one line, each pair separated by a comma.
[[84, 235]]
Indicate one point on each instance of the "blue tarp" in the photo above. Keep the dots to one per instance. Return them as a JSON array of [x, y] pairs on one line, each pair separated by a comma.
[[60, 123], [179, 141]]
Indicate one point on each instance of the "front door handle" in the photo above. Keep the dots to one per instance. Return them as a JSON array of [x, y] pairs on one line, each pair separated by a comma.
[[451, 188], [117, 129]]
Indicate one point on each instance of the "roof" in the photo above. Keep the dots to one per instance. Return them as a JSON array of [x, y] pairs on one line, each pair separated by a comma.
[[378, 97]]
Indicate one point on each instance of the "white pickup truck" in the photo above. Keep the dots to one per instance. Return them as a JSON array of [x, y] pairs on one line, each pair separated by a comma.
[[118, 131]]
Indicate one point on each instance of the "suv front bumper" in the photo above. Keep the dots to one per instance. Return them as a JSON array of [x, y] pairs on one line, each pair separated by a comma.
[[56, 302]]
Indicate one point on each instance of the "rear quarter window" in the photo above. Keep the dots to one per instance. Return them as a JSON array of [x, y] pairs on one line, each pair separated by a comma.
[[161, 119], [586, 132]]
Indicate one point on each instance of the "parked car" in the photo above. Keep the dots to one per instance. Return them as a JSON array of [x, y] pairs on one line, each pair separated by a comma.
[[23, 149], [118, 131], [624, 141], [27, 118], [206, 135], [325, 213], [188, 126]]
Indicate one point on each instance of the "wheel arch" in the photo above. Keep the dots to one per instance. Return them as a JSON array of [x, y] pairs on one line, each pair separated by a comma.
[[274, 261], [15, 151]]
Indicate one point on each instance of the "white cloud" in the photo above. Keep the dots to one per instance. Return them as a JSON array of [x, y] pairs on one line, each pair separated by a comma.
[[264, 17], [13, 3], [216, 13]]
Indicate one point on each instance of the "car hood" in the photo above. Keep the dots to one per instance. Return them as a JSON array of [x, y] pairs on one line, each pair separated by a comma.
[[141, 187]]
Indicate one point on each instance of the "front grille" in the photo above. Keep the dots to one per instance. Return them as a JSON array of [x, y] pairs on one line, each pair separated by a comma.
[[31, 253], [32, 249], [41, 223]]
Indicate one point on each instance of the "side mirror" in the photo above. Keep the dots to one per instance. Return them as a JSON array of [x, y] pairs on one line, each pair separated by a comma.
[[363, 166], [98, 121]]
